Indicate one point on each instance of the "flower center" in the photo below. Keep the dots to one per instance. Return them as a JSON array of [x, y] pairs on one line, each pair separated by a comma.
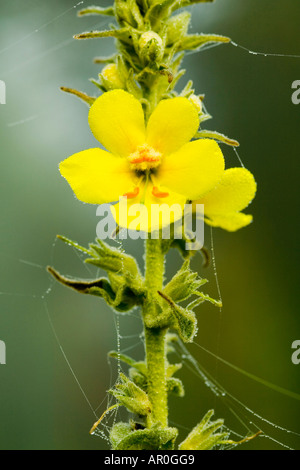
[[144, 158]]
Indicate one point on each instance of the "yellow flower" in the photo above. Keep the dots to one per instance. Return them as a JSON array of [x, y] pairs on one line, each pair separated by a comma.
[[234, 193], [149, 164]]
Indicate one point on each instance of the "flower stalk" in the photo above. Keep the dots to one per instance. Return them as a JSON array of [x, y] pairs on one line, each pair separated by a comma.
[[148, 129], [155, 338]]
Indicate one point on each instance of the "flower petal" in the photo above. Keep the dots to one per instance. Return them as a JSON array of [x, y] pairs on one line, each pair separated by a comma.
[[230, 222], [173, 123], [117, 121], [150, 215], [234, 193], [194, 170], [97, 176]]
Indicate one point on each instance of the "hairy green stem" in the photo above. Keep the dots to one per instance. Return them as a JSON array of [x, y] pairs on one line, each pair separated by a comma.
[[155, 338]]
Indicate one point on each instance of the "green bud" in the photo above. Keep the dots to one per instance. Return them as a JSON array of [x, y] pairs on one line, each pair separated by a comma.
[[132, 397], [203, 436], [183, 284], [110, 77], [112, 259], [151, 47]]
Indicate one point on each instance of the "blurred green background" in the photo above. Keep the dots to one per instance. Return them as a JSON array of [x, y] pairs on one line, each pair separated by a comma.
[[41, 405]]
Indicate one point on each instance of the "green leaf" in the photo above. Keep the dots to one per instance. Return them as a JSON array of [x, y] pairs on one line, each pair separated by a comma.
[[122, 300]]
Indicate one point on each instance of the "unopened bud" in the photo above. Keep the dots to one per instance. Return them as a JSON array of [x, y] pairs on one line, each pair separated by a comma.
[[151, 47], [111, 78]]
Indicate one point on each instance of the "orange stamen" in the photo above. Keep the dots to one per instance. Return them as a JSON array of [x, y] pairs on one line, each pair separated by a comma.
[[157, 193], [144, 158], [132, 194]]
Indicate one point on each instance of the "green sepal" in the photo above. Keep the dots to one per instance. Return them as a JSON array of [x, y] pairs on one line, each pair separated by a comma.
[[131, 396], [204, 436], [128, 13], [159, 11], [186, 3], [122, 34], [132, 86], [177, 26], [109, 11], [197, 41], [156, 438], [204, 298], [205, 134], [83, 96], [105, 60]]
